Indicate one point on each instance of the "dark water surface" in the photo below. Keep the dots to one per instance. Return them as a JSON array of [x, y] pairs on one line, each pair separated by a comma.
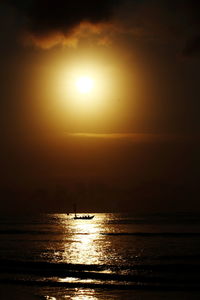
[[113, 256]]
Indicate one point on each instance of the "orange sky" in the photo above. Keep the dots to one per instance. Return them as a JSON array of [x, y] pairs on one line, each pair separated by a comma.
[[134, 139]]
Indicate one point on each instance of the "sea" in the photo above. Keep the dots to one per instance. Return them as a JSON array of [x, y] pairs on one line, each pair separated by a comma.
[[112, 256]]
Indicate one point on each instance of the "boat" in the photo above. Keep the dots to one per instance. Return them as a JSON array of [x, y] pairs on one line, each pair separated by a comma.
[[84, 217]]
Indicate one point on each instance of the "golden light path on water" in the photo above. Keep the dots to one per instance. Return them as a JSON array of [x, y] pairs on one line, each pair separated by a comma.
[[85, 246], [81, 246], [84, 294], [82, 240], [77, 294]]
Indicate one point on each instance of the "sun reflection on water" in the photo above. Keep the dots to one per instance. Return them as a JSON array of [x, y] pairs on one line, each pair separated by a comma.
[[85, 240], [75, 294], [84, 294]]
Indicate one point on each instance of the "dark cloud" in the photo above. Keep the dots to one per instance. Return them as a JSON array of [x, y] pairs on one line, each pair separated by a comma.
[[191, 17], [192, 47], [45, 17], [175, 22]]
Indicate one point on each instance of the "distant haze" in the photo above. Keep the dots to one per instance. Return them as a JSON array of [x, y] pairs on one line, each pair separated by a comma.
[[138, 173]]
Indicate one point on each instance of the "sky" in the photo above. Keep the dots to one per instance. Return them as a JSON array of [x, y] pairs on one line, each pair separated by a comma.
[[130, 145]]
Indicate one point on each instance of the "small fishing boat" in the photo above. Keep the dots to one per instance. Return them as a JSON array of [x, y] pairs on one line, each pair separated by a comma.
[[84, 217]]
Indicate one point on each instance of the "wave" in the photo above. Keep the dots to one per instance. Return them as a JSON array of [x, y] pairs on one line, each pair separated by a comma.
[[142, 234], [147, 276], [33, 232], [150, 234], [135, 286], [179, 257], [51, 267]]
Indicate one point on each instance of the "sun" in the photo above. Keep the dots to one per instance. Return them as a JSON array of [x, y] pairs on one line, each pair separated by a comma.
[[83, 88], [84, 84]]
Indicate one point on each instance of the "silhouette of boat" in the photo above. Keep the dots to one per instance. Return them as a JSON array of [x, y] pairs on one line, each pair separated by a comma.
[[84, 217]]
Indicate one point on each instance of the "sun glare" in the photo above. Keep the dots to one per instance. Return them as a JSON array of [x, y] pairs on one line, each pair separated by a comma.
[[85, 88], [84, 84]]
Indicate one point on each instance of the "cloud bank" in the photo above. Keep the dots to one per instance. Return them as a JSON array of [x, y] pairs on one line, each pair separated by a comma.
[[52, 22], [48, 22]]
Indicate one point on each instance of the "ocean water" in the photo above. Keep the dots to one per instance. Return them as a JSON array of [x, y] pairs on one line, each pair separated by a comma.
[[113, 256]]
